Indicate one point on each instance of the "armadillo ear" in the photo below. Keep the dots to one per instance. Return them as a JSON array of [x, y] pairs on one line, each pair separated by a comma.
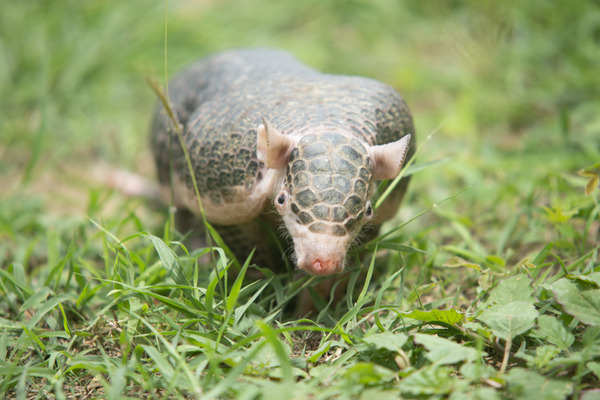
[[272, 147], [387, 159]]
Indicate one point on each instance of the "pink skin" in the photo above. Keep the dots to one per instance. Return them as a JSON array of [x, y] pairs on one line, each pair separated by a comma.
[[322, 267], [317, 254]]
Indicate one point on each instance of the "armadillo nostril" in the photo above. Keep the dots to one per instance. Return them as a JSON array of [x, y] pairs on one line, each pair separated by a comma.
[[324, 266]]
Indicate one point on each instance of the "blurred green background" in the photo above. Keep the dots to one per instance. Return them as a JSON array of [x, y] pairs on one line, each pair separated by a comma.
[[507, 91]]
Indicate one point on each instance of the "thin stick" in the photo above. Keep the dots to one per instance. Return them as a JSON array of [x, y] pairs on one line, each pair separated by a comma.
[[163, 96], [507, 347]]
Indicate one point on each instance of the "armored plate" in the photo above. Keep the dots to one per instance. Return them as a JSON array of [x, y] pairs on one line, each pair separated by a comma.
[[220, 102]]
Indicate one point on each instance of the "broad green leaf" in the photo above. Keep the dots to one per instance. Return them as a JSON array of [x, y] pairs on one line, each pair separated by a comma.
[[479, 393], [431, 380], [444, 351], [387, 340], [376, 393], [450, 317], [591, 339], [479, 328], [366, 373], [510, 320], [579, 299], [485, 280], [477, 371], [516, 288], [591, 394], [551, 329], [572, 359], [594, 367], [527, 385], [593, 278], [271, 389], [544, 355]]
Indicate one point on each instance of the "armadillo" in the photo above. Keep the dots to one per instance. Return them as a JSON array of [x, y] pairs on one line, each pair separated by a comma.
[[272, 140]]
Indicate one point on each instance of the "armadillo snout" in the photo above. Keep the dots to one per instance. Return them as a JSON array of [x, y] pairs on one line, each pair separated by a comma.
[[323, 266], [324, 201], [320, 255]]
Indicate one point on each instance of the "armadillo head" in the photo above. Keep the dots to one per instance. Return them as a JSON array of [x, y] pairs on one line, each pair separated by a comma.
[[324, 195]]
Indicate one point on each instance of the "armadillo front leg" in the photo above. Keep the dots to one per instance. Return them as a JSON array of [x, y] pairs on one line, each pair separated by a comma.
[[243, 238]]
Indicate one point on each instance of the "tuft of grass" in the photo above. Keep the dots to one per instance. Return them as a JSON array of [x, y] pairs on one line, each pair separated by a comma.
[[486, 284]]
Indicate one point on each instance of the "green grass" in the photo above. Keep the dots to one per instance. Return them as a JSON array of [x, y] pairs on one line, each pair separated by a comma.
[[98, 297]]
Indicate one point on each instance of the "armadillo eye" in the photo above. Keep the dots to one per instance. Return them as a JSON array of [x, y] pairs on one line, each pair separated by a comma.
[[281, 199], [369, 210]]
